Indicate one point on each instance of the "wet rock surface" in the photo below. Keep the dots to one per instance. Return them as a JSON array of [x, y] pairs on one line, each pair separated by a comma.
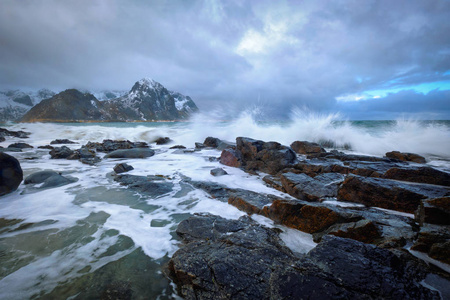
[[240, 259], [122, 168], [403, 156], [11, 174], [153, 186], [112, 145], [131, 153], [48, 179]]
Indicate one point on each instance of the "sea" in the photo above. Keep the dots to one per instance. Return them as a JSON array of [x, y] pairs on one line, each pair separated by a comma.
[[87, 238]]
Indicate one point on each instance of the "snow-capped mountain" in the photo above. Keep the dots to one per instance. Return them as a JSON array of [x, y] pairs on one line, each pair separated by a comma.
[[109, 94], [15, 103], [147, 100]]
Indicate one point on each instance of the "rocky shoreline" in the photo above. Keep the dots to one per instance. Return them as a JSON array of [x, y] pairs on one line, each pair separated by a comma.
[[369, 215]]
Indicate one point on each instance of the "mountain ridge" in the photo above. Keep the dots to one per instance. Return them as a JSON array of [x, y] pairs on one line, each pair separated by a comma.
[[147, 100]]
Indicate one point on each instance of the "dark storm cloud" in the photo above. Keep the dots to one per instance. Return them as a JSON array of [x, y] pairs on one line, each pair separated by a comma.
[[275, 53]]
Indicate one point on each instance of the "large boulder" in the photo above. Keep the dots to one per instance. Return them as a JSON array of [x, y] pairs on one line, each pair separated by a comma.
[[226, 259], [434, 211], [386, 193], [11, 174], [304, 147], [231, 158], [63, 152], [269, 157], [404, 156]]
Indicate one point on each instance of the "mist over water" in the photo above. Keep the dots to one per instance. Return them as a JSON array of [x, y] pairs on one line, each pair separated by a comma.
[[428, 138]]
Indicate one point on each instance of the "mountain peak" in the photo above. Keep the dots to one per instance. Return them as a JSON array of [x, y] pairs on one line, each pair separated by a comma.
[[148, 82]]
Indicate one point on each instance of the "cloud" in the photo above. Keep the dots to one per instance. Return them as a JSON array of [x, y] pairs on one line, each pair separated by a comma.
[[280, 53]]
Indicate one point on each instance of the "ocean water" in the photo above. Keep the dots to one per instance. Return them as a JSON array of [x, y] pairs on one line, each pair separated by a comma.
[[78, 240]]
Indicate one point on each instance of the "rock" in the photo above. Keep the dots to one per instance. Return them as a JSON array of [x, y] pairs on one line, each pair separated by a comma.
[[270, 157], [131, 153], [307, 188], [422, 175], [346, 269], [39, 177], [18, 134], [250, 202], [434, 211], [149, 185], [111, 145], [61, 141], [199, 146], [2, 138], [363, 230], [304, 147], [62, 152], [46, 147], [178, 147], [304, 217], [404, 156], [231, 158], [217, 191], [275, 182], [226, 259], [163, 140], [11, 174], [122, 168], [218, 172], [20, 146], [49, 179], [386, 193], [217, 143], [435, 241]]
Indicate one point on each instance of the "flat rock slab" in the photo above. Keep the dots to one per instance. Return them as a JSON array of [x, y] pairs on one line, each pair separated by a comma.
[[386, 193], [149, 185], [304, 187], [131, 153]]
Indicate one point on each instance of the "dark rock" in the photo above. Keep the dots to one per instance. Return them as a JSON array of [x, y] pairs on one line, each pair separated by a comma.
[[274, 182], [111, 145], [148, 185], [217, 143], [386, 193], [270, 157], [62, 152], [178, 147], [61, 141], [421, 175], [434, 211], [163, 140], [19, 134], [46, 147], [231, 158], [307, 188], [10, 150], [39, 177], [403, 156], [122, 168], [217, 191], [304, 147], [11, 174], [199, 146], [304, 217], [2, 138], [20, 146], [313, 170], [346, 269], [226, 259], [50, 179], [131, 153], [218, 172], [435, 241]]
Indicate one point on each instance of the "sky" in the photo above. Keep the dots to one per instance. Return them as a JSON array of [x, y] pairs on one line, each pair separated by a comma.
[[365, 59]]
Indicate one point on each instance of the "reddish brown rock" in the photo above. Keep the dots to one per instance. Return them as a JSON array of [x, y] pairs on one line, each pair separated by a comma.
[[304, 187], [364, 231], [304, 147], [435, 241], [421, 175], [404, 156], [307, 218], [434, 211], [386, 193], [274, 182], [231, 158]]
